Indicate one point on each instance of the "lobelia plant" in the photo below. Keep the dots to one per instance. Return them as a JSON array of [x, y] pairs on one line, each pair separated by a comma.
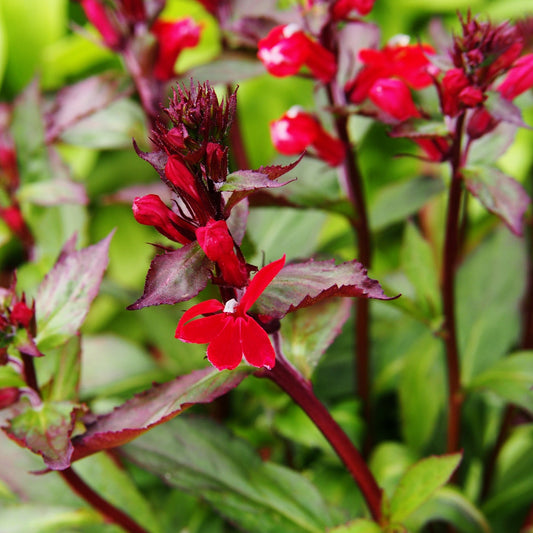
[[425, 399]]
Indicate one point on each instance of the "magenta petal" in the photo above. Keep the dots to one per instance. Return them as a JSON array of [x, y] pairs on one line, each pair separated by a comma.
[[225, 351], [203, 329], [256, 345], [260, 282]]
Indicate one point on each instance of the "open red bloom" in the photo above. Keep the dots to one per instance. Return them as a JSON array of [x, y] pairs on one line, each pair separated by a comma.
[[286, 49], [519, 78], [231, 333], [173, 37], [408, 63], [394, 97], [296, 130]]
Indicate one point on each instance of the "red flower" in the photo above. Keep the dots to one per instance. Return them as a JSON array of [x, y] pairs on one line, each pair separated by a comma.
[[480, 123], [151, 211], [408, 63], [215, 240], [173, 37], [342, 8], [13, 218], [296, 130], [394, 97], [231, 333], [286, 49], [98, 16], [519, 78]]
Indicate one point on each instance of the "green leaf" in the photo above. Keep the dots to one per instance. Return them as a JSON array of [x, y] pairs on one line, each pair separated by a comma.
[[421, 390], [65, 380], [419, 483], [9, 377], [52, 192], [489, 294], [395, 202], [511, 379], [105, 475], [361, 525], [419, 266], [448, 504], [112, 127], [307, 333], [66, 293], [46, 430], [204, 459]]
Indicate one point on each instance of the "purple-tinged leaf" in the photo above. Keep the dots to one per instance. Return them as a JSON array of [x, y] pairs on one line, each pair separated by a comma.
[[303, 284], [420, 129], [158, 159], [155, 406], [127, 195], [46, 430], [308, 333], [80, 100], [490, 147], [499, 193], [243, 182], [65, 295], [502, 109], [175, 277], [53, 192]]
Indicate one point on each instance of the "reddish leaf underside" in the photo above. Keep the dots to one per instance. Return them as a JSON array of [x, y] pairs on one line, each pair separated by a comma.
[[303, 284], [175, 277], [46, 430], [153, 407], [500, 194]]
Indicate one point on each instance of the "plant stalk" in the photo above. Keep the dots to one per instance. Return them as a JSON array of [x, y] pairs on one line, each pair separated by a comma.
[[301, 391], [110, 512], [450, 255], [351, 177]]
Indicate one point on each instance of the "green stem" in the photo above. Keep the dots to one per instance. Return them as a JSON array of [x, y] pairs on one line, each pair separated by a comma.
[[301, 391], [450, 254]]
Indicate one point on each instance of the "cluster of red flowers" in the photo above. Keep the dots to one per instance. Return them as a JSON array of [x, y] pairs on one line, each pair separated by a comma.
[[192, 161], [120, 24]]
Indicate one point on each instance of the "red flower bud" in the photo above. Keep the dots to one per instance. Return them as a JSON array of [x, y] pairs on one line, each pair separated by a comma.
[[394, 97], [151, 211], [217, 243], [21, 314], [173, 37], [471, 96], [180, 176], [286, 49], [8, 396], [480, 123], [13, 218], [453, 82]]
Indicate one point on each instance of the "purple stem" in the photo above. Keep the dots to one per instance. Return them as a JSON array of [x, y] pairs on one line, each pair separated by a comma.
[[450, 254], [301, 391], [353, 181], [110, 512]]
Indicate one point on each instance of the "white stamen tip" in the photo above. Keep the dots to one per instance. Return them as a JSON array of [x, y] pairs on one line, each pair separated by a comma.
[[230, 306]]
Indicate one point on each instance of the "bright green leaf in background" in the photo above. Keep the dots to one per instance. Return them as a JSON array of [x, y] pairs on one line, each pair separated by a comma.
[[419, 483]]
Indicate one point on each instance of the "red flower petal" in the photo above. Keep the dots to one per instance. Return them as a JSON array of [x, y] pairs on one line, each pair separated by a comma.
[[209, 306], [256, 345], [259, 283], [225, 351], [203, 329]]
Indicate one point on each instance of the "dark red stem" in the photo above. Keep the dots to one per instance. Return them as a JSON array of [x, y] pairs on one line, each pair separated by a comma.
[[30, 377], [110, 512], [301, 391], [353, 181], [451, 246]]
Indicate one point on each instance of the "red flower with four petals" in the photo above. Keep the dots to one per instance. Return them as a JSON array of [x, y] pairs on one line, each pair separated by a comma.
[[230, 331]]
